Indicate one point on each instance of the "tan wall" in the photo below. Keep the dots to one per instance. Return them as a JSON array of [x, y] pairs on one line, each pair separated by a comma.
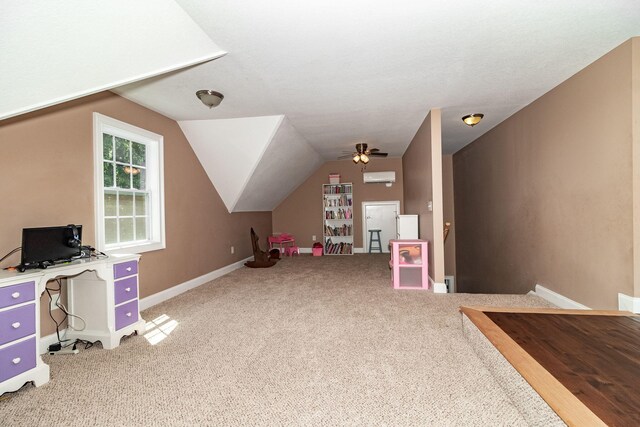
[[448, 215], [546, 196], [422, 168], [301, 213], [46, 178]]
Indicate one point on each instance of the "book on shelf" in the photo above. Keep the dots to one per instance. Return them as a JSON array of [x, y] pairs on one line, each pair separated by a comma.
[[338, 189], [337, 248], [344, 230]]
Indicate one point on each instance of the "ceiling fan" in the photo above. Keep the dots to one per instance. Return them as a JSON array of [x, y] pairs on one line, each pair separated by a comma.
[[362, 154]]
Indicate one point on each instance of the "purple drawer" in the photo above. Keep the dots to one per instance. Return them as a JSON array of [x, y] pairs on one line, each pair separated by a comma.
[[125, 269], [17, 323], [125, 289], [17, 358], [126, 314], [16, 294]]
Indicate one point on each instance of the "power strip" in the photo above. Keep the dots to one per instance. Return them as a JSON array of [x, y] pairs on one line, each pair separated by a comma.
[[65, 351]]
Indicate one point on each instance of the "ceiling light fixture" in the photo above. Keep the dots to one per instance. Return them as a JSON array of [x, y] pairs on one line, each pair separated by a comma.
[[210, 98], [356, 158], [472, 119]]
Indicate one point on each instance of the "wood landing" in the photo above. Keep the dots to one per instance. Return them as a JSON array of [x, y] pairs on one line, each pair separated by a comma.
[[584, 363]]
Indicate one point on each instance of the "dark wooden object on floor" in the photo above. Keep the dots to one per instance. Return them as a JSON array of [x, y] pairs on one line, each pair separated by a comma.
[[584, 363], [261, 259]]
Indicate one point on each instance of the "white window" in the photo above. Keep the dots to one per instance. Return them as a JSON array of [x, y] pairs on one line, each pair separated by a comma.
[[129, 188]]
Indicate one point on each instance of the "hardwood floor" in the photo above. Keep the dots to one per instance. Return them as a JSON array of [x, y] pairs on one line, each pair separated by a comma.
[[593, 356]]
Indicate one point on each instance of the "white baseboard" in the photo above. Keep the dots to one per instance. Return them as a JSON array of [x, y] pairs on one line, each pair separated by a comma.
[[162, 296], [557, 299], [627, 303], [438, 288]]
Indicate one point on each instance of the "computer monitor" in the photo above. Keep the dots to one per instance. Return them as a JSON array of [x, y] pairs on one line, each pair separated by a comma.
[[50, 245]]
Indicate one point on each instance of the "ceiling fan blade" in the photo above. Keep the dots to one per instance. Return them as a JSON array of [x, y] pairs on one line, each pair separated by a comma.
[[376, 154], [346, 156], [373, 150]]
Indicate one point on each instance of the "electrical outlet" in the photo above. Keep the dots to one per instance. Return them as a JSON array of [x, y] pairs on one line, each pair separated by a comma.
[[233, 250], [53, 303], [313, 237]]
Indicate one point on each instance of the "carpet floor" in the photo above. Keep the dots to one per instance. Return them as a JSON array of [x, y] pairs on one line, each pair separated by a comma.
[[311, 341]]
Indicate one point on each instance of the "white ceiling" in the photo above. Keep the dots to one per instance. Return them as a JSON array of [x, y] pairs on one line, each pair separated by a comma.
[[370, 70], [319, 76], [51, 52]]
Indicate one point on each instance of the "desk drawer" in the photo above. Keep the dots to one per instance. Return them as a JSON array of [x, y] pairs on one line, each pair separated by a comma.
[[125, 269], [126, 314], [125, 289], [17, 358], [16, 294], [17, 323]]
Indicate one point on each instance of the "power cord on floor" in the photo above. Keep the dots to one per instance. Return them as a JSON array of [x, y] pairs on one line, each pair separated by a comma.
[[62, 340]]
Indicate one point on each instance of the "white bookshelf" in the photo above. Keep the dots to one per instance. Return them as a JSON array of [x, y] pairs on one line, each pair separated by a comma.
[[337, 213]]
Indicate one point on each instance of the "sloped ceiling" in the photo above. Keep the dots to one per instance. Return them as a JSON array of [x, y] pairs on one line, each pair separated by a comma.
[[254, 162], [334, 73], [229, 150], [369, 70], [53, 52], [287, 161]]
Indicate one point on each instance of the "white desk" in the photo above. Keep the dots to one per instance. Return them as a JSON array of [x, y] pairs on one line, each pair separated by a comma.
[[103, 292]]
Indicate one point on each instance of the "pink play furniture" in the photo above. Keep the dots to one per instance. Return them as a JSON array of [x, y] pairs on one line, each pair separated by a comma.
[[282, 240], [292, 250], [409, 264]]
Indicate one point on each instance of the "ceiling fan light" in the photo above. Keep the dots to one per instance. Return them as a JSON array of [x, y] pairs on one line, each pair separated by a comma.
[[210, 98], [364, 158], [472, 119], [356, 158]]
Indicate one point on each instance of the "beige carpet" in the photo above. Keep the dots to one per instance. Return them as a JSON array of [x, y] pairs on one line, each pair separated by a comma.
[[311, 341]]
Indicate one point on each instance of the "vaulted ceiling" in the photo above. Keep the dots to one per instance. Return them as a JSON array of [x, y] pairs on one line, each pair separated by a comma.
[[304, 80]]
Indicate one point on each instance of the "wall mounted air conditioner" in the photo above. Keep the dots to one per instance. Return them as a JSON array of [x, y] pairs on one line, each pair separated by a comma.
[[379, 177]]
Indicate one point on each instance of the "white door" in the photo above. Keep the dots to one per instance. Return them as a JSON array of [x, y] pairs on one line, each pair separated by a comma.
[[379, 216]]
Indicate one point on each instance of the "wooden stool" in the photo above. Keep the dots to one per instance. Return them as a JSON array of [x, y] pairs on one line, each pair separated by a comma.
[[377, 240]]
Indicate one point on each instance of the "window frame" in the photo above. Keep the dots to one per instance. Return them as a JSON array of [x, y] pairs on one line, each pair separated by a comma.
[[154, 177]]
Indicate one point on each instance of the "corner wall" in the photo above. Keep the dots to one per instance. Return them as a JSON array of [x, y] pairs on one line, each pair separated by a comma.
[[449, 215], [546, 196], [46, 179], [300, 213], [422, 169]]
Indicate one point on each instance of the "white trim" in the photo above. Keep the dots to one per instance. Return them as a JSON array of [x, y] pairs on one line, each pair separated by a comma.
[[557, 299], [365, 233], [627, 303], [162, 296], [155, 176], [438, 288], [159, 297]]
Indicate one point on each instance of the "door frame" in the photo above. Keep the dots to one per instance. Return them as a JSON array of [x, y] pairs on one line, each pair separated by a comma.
[[395, 203]]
